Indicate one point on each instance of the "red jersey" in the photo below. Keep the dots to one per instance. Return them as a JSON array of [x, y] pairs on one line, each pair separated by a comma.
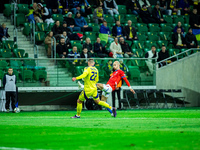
[[116, 77]]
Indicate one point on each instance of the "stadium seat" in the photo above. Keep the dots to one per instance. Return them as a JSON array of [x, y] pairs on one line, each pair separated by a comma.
[[173, 52], [29, 64], [161, 43], [168, 18], [43, 27], [51, 26], [58, 17], [120, 17], [148, 44], [73, 42], [39, 37], [165, 36], [186, 27], [7, 10], [141, 37], [154, 27], [16, 73], [27, 75], [27, 29], [108, 18], [186, 53], [134, 72], [142, 28], [166, 28], [20, 53], [187, 17], [91, 35], [40, 74], [79, 70], [122, 9], [3, 65], [6, 53], [2, 75], [20, 19], [138, 44], [9, 44], [91, 18], [133, 18], [16, 64], [152, 36], [138, 52], [179, 19], [94, 26], [23, 8]]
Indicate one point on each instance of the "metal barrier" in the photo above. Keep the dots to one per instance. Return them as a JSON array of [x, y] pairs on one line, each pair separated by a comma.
[[32, 31]]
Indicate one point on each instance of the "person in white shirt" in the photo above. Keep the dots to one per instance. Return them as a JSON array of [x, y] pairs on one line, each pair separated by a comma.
[[116, 49]]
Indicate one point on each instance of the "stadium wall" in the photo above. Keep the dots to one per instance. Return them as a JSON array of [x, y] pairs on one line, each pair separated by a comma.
[[183, 74]]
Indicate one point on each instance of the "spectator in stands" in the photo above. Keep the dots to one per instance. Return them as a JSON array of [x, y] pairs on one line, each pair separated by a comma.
[[118, 30], [163, 54], [71, 22], [175, 10], [146, 3], [76, 6], [98, 15], [126, 49], [151, 54], [196, 4], [48, 41], [130, 31], [100, 49], [194, 20], [4, 32], [36, 13], [52, 5], [61, 49], [191, 40], [80, 22], [88, 9], [105, 30], [111, 7], [67, 40], [116, 49], [178, 39], [89, 47], [146, 16], [100, 3], [157, 14], [133, 5], [46, 17], [179, 25], [85, 54], [57, 30], [65, 28], [64, 4], [164, 7], [185, 7]]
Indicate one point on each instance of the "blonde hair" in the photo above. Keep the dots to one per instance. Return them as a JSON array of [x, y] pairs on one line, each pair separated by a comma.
[[88, 39], [91, 61]]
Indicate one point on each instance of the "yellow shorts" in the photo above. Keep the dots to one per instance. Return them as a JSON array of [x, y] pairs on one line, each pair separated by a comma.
[[87, 94]]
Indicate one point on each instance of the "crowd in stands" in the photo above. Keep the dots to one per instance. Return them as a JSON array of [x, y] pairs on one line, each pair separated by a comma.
[[75, 24]]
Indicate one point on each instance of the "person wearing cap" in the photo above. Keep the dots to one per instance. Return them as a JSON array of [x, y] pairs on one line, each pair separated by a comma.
[[157, 14], [191, 40], [71, 22]]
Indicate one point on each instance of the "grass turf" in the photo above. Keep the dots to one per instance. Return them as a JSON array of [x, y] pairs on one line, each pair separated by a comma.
[[132, 129]]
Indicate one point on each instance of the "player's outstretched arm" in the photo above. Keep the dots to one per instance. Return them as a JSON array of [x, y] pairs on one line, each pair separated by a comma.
[[85, 73], [129, 85], [74, 79]]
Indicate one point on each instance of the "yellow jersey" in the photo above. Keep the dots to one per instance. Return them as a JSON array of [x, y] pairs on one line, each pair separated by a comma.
[[91, 77]]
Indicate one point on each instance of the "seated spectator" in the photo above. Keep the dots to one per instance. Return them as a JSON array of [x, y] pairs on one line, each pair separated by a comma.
[[61, 49], [65, 28], [133, 5], [126, 49], [100, 49], [118, 30], [151, 54], [130, 31], [111, 7], [146, 16], [46, 17], [105, 30], [67, 40], [36, 13], [196, 4], [48, 41], [194, 20], [76, 6], [71, 22], [64, 4], [164, 7], [116, 49], [85, 54], [175, 10], [100, 3], [163, 54], [80, 22], [185, 7], [88, 9], [98, 15], [57, 30], [88, 45], [157, 14], [4, 32], [179, 25], [146, 3], [178, 39], [52, 5], [191, 40]]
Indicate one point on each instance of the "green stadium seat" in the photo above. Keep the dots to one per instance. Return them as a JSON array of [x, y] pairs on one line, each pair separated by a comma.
[[27, 29], [29, 64], [16, 73], [23, 8], [138, 52], [152, 36], [168, 18], [186, 53], [73, 42], [16, 64], [20, 19], [40, 74], [133, 18], [187, 17], [161, 43], [91, 18], [94, 26], [173, 52], [154, 27], [20, 53], [91, 35], [39, 37], [109, 18], [138, 44], [166, 28], [122, 9], [79, 70], [43, 27], [9, 44], [27, 75], [148, 44], [120, 17], [2, 75], [186, 27], [142, 37], [7, 10], [142, 28], [165, 36], [3, 65], [134, 72], [58, 17], [6, 53], [51, 26], [179, 19]]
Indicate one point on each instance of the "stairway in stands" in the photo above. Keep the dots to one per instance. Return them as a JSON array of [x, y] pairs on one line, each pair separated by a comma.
[[52, 71]]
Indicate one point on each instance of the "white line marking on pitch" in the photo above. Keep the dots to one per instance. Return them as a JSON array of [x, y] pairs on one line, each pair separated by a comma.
[[15, 148]]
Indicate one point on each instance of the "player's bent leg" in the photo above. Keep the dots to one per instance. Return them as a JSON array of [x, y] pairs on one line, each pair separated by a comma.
[[102, 103], [103, 98]]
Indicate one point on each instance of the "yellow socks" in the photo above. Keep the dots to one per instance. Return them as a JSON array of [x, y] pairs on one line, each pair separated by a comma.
[[79, 109], [104, 104]]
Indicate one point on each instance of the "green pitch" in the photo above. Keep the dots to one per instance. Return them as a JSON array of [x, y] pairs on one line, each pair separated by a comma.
[[132, 129]]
